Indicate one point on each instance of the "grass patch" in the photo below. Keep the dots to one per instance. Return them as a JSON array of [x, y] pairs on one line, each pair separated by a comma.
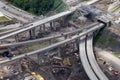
[[98, 37], [115, 9], [100, 40], [34, 47], [104, 42], [37, 46], [116, 53], [119, 57], [111, 39], [3, 18]]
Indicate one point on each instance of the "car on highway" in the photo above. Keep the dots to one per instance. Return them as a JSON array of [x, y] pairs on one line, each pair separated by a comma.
[[116, 72]]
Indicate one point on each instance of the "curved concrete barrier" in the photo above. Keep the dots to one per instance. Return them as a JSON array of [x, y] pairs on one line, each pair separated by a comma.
[[85, 62], [92, 59]]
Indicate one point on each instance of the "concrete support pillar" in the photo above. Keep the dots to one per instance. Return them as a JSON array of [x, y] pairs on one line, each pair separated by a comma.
[[52, 25], [40, 58], [77, 43], [59, 52], [72, 46], [1, 42], [68, 36], [40, 29], [75, 46], [19, 65], [16, 38], [61, 22], [65, 36], [43, 27], [9, 49], [50, 41], [32, 33], [64, 21]]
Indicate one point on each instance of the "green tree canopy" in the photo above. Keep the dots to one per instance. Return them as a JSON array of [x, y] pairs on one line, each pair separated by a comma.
[[37, 7]]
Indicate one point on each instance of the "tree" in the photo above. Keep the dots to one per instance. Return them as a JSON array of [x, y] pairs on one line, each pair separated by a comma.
[[37, 7]]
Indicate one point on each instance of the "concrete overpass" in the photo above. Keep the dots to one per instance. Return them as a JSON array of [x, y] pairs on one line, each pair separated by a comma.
[[50, 20], [84, 60], [48, 38], [92, 58], [92, 69], [88, 59], [36, 24], [54, 45]]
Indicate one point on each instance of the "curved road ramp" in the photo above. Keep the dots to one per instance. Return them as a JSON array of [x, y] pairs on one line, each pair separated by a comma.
[[88, 59]]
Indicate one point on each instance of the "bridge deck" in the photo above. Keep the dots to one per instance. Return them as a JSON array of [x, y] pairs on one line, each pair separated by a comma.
[[37, 23], [85, 61], [92, 59]]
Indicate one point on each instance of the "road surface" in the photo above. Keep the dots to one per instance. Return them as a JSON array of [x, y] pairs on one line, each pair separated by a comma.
[[92, 59], [84, 60], [54, 45], [37, 23], [48, 38], [109, 57]]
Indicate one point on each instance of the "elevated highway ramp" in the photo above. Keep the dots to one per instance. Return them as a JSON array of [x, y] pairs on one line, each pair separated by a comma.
[[92, 59], [88, 60], [53, 45], [37, 23], [48, 38], [84, 60]]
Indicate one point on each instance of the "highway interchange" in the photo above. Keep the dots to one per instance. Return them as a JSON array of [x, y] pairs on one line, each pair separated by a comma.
[[85, 46]]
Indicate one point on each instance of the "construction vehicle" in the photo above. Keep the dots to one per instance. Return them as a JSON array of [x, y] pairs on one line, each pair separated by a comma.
[[67, 61], [37, 76]]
